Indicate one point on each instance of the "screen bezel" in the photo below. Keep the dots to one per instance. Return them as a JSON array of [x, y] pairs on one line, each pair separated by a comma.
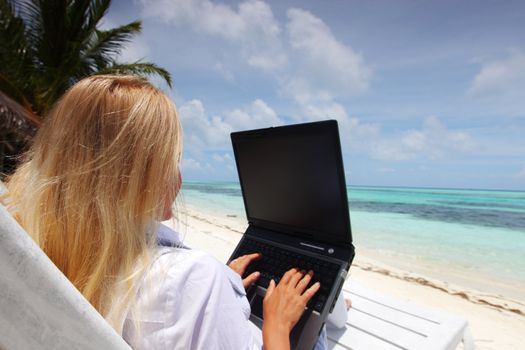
[[327, 126]]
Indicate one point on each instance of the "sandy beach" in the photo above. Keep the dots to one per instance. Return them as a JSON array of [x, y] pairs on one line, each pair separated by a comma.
[[496, 322]]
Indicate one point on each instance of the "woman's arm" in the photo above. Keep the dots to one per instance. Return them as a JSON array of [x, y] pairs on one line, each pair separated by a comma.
[[283, 305], [240, 265]]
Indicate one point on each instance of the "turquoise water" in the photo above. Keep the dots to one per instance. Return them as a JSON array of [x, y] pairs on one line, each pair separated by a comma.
[[473, 236]]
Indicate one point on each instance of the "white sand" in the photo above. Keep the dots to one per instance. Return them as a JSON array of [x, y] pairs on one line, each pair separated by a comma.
[[495, 322]]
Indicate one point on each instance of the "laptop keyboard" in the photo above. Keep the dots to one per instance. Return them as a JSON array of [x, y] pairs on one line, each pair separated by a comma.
[[276, 261]]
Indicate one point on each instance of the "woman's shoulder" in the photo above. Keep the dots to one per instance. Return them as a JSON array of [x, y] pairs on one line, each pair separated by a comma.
[[189, 266], [173, 256], [183, 258]]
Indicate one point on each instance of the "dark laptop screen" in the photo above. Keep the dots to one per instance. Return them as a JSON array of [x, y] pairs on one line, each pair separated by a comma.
[[292, 180]]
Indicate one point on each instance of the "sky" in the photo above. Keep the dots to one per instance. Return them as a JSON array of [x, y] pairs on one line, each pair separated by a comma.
[[426, 93]]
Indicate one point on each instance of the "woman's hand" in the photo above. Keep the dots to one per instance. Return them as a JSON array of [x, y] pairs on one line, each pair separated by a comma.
[[283, 305], [240, 265]]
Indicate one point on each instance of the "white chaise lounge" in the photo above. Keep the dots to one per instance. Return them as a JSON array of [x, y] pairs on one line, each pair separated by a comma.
[[39, 307], [379, 322]]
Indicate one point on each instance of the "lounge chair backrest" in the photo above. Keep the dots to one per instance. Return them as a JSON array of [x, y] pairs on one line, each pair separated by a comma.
[[39, 307]]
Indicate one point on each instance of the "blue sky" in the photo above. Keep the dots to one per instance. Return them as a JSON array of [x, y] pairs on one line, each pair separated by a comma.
[[426, 93]]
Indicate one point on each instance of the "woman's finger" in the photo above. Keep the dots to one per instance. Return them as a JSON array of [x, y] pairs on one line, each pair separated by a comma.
[[303, 283], [252, 257], [269, 290], [248, 281], [245, 260], [296, 278], [287, 276], [240, 264], [310, 292]]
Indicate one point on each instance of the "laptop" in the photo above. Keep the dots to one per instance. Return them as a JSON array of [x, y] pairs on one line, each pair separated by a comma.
[[294, 193]]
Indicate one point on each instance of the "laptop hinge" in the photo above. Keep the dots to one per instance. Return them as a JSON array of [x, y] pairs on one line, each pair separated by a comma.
[[311, 240], [332, 250]]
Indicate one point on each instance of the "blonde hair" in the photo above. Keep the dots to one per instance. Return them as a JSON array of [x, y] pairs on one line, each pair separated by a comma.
[[95, 180]]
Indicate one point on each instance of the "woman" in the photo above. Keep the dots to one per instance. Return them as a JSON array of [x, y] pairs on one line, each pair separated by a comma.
[[102, 172]]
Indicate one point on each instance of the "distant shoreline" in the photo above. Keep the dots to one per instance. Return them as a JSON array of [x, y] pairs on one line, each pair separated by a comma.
[[381, 186]]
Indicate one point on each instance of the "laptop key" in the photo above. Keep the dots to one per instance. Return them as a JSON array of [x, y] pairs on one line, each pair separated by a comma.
[[263, 282]]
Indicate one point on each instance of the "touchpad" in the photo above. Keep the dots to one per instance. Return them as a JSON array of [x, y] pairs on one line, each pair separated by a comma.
[[257, 306]]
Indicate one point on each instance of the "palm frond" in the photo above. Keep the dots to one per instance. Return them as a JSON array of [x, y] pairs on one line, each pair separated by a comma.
[[48, 45], [12, 89], [109, 43], [139, 68], [18, 125], [30, 12], [97, 10], [19, 114], [17, 122], [15, 54]]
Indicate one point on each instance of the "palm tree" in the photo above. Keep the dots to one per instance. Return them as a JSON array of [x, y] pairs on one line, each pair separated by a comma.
[[17, 127], [47, 46]]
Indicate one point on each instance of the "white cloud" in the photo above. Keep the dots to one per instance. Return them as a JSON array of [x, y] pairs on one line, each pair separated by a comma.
[[324, 110], [202, 131], [252, 25], [521, 174], [355, 135], [434, 141], [223, 71], [327, 67], [506, 76], [257, 115], [190, 164], [324, 70], [208, 137], [221, 158]]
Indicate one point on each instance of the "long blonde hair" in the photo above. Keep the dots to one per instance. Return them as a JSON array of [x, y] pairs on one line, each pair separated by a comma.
[[95, 179]]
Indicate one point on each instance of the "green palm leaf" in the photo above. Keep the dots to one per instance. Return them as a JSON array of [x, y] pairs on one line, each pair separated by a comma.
[[108, 44], [138, 68], [48, 45]]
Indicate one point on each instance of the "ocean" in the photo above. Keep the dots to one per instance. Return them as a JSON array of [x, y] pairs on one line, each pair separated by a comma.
[[471, 238]]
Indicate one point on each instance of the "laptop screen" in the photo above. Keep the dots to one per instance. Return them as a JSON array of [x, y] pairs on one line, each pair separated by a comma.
[[292, 180]]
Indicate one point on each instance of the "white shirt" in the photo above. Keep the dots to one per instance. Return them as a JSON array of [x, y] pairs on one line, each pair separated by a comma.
[[189, 300]]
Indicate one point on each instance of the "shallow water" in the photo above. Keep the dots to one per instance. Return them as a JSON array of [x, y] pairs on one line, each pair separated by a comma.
[[471, 237]]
